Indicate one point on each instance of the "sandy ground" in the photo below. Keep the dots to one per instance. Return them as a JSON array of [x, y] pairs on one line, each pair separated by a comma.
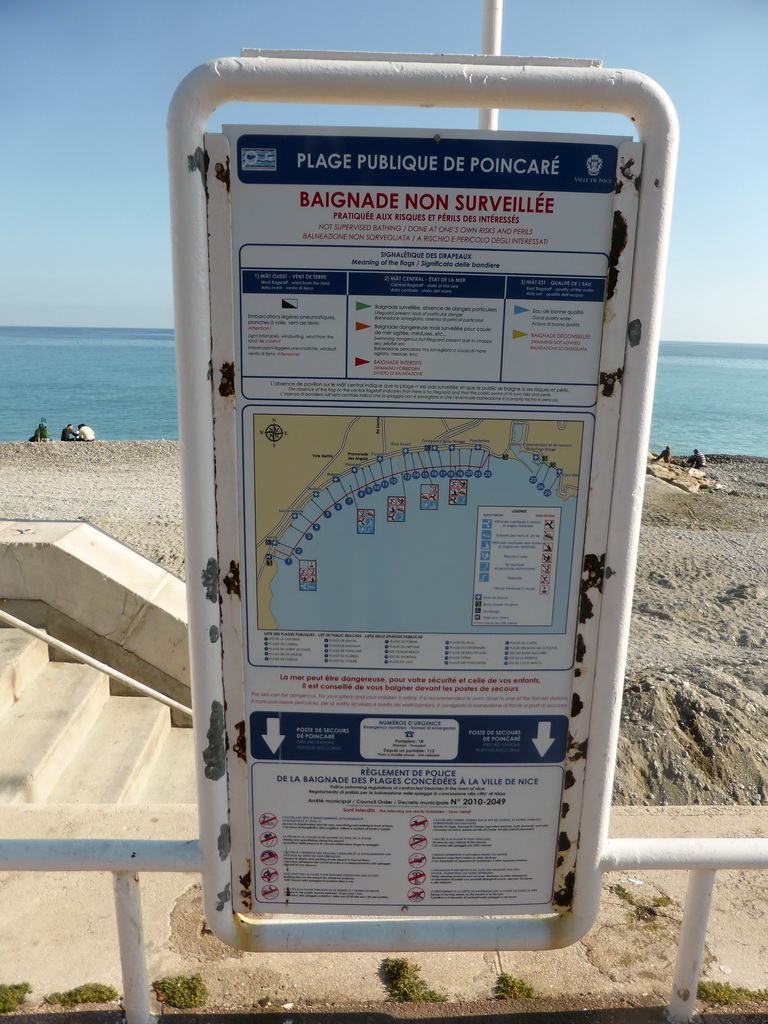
[[695, 715]]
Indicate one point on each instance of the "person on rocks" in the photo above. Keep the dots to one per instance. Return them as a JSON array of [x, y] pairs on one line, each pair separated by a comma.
[[69, 433], [698, 460], [665, 456], [85, 433]]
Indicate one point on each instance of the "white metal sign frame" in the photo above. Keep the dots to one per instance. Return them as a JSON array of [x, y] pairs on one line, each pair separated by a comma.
[[393, 667], [200, 176]]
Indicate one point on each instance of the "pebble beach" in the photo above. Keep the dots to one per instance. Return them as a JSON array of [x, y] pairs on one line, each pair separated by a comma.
[[699, 638], [129, 489]]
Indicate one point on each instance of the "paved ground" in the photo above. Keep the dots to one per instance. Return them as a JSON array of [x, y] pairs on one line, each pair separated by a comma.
[[542, 1011], [58, 931]]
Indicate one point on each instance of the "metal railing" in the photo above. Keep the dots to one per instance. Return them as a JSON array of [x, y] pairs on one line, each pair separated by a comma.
[[126, 860], [86, 659], [701, 858]]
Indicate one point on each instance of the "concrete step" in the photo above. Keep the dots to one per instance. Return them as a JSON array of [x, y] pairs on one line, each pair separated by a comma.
[[117, 756], [172, 780], [44, 728], [22, 657]]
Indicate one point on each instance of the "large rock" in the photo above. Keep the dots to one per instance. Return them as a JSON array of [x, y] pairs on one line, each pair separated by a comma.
[[687, 478]]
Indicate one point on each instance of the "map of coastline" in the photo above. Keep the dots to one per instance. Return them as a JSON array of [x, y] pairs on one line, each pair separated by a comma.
[[402, 524]]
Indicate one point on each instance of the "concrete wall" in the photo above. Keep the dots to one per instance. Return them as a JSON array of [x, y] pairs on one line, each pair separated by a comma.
[[94, 593]]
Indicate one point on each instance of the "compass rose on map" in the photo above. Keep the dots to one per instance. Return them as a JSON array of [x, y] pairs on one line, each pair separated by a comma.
[[273, 432]]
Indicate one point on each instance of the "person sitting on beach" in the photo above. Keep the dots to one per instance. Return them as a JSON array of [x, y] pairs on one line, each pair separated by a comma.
[[85, 433], [697, 460], [666, 455], [41, 433], [68, 433]]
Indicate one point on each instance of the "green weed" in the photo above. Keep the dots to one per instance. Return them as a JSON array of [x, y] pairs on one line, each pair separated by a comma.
[[405, 984], [622, 893], [641, 909], [182, 992], [721, 993], [508, 987], [12, 996], [90, 993]]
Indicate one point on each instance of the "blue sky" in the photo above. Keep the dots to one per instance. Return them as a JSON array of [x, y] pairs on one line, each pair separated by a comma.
[[85, 87]]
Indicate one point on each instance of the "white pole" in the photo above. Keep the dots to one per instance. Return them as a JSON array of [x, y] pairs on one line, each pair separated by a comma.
[[491, 45], [690, 950], [130, 933]]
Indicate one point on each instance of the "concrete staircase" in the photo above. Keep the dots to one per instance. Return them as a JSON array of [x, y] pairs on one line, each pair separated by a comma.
[[65, 740]]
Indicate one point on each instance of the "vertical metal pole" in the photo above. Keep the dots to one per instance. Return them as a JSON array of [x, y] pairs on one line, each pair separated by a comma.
[[130, 933], [491, 45], [690, 951]]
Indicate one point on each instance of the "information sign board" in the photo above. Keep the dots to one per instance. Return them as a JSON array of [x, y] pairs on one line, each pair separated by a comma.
[[418, 322]]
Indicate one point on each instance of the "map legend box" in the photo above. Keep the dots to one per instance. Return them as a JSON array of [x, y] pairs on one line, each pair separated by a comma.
[[514, 551]]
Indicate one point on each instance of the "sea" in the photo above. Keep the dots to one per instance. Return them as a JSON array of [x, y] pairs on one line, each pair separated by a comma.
[[122, 383]]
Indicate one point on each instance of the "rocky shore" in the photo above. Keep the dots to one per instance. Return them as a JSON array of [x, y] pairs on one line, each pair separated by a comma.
[[695, 717]]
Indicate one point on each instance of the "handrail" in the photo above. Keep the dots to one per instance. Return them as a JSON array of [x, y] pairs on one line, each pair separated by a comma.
[[126, 859], [86, 659], [134, 855]]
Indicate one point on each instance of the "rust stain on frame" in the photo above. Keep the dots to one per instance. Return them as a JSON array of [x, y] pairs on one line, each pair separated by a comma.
[[564, 895], [608, 381], [232, 579], [591, 579], [227, 382], [619, 239], [245, 883], [239, 746], [222, 173]]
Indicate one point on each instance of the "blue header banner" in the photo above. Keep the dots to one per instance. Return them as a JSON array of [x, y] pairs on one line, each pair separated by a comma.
[[498, 739], [432, 161]]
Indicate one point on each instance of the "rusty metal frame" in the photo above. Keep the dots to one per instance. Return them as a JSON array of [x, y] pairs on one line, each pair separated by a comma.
[[626, 377]]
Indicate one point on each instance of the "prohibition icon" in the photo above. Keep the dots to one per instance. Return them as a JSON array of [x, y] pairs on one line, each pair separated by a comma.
[[419, 822], [267, 820], [270, 892], [268, 857], [416, 895]]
